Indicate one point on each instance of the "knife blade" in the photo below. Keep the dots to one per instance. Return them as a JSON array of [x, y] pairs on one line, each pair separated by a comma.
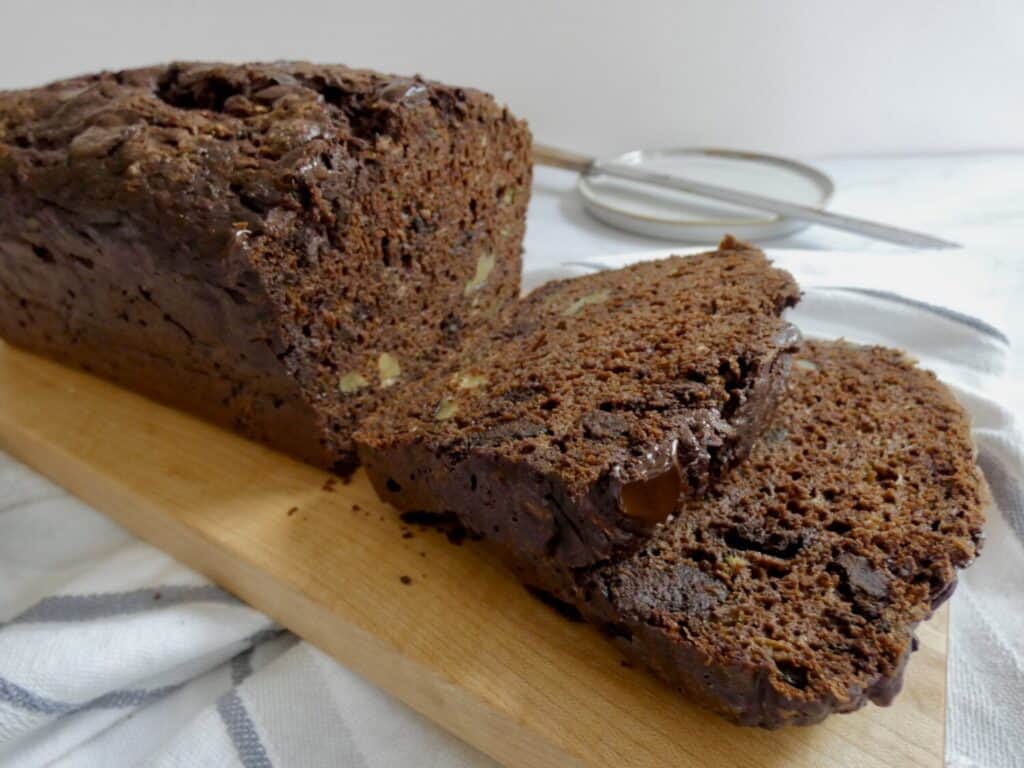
[[559, 158]]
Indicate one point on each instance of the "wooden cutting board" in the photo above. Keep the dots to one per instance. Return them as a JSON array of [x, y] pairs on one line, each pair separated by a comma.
[[461, 643]]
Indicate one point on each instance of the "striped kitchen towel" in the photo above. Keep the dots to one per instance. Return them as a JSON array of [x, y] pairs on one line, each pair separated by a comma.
[[112, 654]]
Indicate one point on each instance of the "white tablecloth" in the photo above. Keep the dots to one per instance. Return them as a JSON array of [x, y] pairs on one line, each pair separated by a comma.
[[112, 654]]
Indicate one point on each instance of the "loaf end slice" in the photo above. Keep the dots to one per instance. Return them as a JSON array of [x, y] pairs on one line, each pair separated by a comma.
[[792, 591], [276, 247], [570, 432]]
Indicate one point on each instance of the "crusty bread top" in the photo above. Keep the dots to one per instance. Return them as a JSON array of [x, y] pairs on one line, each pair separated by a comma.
[[232, 141], [277, 105], [368, 219]]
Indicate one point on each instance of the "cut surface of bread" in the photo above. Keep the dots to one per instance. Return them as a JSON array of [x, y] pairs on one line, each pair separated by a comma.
[[570, 430], [792, 590]]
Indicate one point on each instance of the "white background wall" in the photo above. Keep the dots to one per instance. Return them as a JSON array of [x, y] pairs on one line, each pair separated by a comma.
[[802, 77]]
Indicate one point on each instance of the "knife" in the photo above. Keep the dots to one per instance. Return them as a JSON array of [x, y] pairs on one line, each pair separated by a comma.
[[560, 158]]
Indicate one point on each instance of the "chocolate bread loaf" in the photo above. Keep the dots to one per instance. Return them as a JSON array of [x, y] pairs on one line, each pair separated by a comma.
[[277, 247], [570, 431], [792, 590]]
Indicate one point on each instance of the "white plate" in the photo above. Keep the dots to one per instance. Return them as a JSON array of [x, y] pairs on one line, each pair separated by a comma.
[[677, 216]]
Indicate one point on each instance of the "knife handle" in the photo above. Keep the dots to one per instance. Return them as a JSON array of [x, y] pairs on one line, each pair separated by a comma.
[[561, 158]]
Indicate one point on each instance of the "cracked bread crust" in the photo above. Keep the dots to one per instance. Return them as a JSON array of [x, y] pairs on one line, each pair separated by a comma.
[[568, 432], [792, 590], [276, 247]]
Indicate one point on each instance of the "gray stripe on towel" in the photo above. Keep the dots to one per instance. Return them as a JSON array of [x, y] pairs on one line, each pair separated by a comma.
[[241, 663], [22, 698], [233, 713], [241, 667], [242, 730], [98, 606], [272, 632]]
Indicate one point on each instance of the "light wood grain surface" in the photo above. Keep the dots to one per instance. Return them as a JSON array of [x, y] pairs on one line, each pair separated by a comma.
[[462, 643]]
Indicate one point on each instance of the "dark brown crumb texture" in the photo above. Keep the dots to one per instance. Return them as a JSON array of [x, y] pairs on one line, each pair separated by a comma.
[[278, 247], [569, 431], [793, 589]]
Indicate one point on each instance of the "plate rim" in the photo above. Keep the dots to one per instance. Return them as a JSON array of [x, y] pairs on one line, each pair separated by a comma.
[[822, 180]]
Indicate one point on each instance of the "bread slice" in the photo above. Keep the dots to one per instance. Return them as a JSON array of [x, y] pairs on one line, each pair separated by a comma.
[[792, 590], [277, 247], [570, 432]]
